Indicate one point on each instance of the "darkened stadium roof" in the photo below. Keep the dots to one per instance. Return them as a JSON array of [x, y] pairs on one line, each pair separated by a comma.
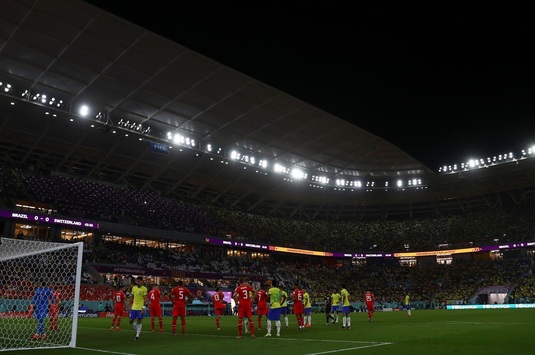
[[73, 51]]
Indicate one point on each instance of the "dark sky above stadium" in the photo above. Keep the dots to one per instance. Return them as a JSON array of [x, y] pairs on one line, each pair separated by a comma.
[[443, 84]]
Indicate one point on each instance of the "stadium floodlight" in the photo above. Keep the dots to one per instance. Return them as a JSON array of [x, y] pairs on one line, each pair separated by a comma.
[[279, 168], [263, 163], [298, 174], [84, 110], [30, 323], [472, 163], [324, 180], [234, 155], [6, 87]]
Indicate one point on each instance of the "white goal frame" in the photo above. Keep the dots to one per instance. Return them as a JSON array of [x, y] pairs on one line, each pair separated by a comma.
[[26, 265]]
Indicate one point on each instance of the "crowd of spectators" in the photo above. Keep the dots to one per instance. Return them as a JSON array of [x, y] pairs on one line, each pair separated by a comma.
[[430, 284], [78, 197]]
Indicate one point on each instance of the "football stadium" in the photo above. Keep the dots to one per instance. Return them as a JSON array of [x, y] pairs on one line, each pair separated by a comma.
[[152, 198]]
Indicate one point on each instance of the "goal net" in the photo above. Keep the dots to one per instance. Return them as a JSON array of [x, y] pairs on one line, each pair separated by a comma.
[[39, 289]]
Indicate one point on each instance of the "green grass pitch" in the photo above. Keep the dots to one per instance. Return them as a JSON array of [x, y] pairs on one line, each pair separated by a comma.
[[492, 331]]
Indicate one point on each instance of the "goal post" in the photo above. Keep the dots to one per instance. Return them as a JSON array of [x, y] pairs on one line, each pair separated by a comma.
[[39, 294]]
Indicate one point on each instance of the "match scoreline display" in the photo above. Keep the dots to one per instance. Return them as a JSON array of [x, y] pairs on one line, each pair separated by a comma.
[[46, 218]]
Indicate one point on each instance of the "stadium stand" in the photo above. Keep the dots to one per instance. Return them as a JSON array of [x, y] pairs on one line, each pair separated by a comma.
[[156, 205]]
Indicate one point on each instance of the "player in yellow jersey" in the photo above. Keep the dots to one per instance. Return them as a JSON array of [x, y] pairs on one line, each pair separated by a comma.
[[139, 303], [307, 304], [346, 308], [335, 304], [275, 299], [284, 307], [407, 304]]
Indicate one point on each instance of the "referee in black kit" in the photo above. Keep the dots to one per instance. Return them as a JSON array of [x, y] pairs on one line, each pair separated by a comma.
[[328, 314]]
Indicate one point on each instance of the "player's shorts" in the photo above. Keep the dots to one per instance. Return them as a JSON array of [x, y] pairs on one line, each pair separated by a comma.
[[179, 311], [219, 310], [118, 311], [262, 311], [346, 309], [334, 309], [274, 314], [284, 310], [156, 311], [136, 314], [54, 310], [40, 313], [308, 311], [370, 307], [298, 308], [245, 311]]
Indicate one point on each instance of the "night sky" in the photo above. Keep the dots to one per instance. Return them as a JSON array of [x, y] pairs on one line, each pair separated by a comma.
[[443, 84]]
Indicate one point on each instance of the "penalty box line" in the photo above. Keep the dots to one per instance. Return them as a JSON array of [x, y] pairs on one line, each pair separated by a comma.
[[362, 344]]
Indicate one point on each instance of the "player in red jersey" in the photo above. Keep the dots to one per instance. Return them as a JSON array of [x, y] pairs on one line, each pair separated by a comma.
[[261, 299], [119, 300], [369, 299], [298, 306], [242, 296], [155, 308], [179, 296], [219, 306], [54, 310]]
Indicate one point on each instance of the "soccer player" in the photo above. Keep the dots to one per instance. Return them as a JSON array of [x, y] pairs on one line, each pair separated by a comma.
[[155, 307], [138, 301], [119, 300], [328, 314], [275, 298], [262, 309], [179, 295], [308, 308], [242, 296], [246, 320], [41, 300], [369, 299], [297, 296], [54, 310], [407, 304], [219, 306], [346, 308], [284, 307], [335, 304]]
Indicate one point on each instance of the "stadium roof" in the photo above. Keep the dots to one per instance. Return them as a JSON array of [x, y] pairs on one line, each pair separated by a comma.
[[80, 54]]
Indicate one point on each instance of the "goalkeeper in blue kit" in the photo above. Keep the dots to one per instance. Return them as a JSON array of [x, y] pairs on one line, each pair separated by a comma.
[[41, 301]]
